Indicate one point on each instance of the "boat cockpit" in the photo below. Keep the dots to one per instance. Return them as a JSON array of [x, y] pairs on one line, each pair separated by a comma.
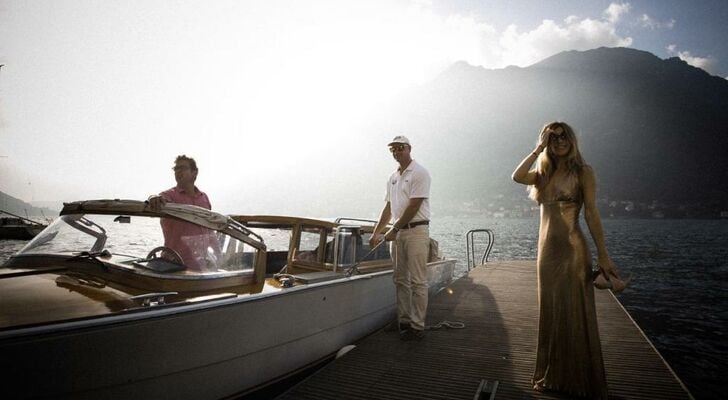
[[179, 248], [183, 248]]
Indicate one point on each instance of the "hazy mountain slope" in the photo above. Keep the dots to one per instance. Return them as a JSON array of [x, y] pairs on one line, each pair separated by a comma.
[[16, 206], [654, 129]]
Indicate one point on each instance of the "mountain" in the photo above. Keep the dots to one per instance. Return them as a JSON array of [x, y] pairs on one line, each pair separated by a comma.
[[16, 206], [655, 130]]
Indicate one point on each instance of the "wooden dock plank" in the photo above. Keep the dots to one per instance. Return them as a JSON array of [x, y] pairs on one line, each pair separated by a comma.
[[498, 305]]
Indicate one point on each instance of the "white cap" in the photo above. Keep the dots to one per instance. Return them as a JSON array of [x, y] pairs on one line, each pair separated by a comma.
[[400, 139]]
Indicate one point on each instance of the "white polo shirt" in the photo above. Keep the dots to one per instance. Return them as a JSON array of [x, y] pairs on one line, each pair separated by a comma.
[[414, 183]]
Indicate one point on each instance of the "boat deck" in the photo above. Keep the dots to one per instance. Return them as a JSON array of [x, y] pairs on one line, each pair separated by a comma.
[[498, 305]]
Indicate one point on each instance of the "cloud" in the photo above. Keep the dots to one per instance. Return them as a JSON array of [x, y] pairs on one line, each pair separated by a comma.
[[648, 22], [615, 11], [435, 39], [550, 37], [419, 42], [709, 63], [522, 48]]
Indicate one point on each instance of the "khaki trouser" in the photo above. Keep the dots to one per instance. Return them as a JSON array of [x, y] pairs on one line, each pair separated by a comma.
[[409, 256]]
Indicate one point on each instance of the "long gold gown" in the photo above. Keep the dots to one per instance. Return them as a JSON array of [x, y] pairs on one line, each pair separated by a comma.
[[569, 354]]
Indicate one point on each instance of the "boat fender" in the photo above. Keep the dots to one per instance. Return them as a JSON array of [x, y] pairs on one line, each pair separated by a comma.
[[344, 350]]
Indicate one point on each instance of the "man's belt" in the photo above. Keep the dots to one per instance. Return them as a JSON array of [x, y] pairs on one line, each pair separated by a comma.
[[413, 224]]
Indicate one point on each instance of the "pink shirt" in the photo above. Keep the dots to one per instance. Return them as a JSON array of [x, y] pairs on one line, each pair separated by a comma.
[[194, 243], [178, 195]]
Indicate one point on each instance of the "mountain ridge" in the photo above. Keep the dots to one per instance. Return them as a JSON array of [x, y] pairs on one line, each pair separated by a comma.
[[655, 130], [19, 207]]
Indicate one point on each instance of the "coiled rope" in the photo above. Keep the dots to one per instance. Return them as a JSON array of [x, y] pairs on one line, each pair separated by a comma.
[[446, 324]]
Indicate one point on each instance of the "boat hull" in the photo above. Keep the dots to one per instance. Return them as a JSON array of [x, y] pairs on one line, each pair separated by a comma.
[[209, 350]]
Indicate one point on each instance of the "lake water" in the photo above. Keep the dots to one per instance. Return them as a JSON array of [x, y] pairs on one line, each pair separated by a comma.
[[678, 294]]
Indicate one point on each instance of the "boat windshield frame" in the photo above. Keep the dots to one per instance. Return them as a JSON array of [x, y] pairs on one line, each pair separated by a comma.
[[239, 251]]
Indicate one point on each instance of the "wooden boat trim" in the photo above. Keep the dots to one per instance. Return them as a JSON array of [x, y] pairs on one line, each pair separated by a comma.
[[140, 278], [280, 221]]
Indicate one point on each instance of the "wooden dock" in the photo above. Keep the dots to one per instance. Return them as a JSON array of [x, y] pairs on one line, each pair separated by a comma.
[[498, 305]]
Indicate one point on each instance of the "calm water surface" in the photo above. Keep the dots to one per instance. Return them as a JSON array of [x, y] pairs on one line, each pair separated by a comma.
[[678, 295]]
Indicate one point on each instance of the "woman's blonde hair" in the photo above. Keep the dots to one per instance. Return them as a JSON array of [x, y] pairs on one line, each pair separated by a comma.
[[546, 161]]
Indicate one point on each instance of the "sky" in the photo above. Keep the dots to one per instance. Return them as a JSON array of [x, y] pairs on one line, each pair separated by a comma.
[[273, 98]]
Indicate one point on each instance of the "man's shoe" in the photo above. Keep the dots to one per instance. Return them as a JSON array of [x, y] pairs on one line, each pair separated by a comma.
[[399, 327], [412, 334]]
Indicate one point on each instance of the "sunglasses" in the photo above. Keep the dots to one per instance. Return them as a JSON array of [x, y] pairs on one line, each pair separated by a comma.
[[554, 138], [397, 147]]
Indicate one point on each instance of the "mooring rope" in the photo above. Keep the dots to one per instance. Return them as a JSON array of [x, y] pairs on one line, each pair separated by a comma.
[[446, 324]]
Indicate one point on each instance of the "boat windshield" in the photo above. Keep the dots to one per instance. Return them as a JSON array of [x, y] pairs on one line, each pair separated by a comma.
[[141, 239]]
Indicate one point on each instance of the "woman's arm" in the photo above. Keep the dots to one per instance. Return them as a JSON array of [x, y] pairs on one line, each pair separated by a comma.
[[594, 221], [523, 173]]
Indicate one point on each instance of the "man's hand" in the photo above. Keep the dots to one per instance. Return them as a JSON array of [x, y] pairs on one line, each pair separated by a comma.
[[375, 240], [156, 202], [391, 234]]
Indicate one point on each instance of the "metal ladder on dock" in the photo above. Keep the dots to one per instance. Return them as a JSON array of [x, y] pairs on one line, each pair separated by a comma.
[[470, 244]]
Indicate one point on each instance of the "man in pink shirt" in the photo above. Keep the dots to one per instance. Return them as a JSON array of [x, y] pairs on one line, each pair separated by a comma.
[[194, 243]]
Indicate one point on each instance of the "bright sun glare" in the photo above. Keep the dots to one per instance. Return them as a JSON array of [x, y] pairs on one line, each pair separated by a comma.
[[338, 69], [313, 77], [235, 84], [269, 84]]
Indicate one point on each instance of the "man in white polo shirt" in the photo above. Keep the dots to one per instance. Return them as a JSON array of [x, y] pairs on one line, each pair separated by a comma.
[[408, 206]]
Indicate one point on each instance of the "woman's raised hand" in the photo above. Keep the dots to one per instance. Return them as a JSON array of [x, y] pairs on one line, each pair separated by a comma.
[[543, 140]]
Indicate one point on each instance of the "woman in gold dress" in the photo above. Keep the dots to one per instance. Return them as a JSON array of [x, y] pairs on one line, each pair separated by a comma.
[[569, 354]]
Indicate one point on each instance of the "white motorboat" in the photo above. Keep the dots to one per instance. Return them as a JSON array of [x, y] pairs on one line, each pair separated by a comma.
[[97, 307]]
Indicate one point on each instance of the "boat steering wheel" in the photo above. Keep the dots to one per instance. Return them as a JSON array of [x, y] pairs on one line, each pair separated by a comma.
[[153, 254]]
